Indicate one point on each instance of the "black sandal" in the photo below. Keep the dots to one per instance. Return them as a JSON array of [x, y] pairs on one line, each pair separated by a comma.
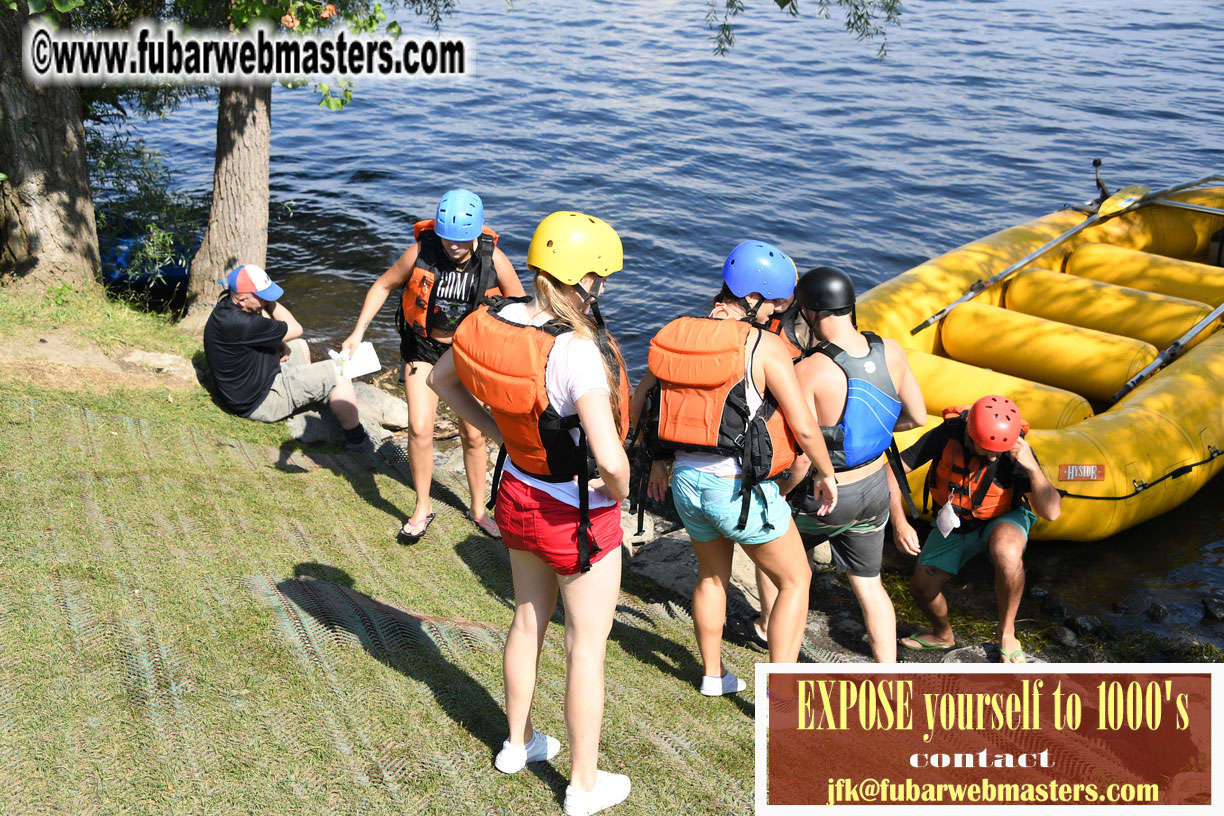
[[408, 538]]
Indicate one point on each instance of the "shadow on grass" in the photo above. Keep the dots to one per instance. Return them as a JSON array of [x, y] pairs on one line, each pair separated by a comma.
[[345, 465], [414, 645], [391, 459], [488, 562]]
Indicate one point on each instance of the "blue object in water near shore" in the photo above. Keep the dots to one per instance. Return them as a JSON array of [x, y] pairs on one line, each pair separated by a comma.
[[167, 280]]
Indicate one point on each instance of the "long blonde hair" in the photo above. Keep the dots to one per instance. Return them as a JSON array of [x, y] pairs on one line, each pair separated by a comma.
[[552, 296]]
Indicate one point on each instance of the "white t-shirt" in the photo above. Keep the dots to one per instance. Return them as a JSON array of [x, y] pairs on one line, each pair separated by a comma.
[[574, 367]]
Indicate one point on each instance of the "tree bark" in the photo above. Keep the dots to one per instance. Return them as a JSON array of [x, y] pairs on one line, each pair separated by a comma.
[[47, 230], [237, 231]]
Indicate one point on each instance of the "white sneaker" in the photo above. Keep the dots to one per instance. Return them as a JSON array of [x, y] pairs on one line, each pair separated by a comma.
[[512, 758], [610, 789], [717, 686]]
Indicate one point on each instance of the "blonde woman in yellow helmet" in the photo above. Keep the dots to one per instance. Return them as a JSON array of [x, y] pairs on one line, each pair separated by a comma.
[[558, 397]]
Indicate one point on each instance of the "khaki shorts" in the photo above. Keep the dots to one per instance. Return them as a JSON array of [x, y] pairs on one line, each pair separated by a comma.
[[300, 383]]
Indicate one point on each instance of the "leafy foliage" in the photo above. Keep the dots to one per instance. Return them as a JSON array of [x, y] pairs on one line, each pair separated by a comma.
[[135, 204], [867, 19]]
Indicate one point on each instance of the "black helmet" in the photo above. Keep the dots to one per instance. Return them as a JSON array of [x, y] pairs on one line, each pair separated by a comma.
[[825, 289]]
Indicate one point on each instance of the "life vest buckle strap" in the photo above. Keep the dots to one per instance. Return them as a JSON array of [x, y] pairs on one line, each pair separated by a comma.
[[497, 474], [586, 541]]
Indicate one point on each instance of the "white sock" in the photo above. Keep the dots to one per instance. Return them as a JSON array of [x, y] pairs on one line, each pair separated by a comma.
[[610, 789], [712, 686], [512, 758]]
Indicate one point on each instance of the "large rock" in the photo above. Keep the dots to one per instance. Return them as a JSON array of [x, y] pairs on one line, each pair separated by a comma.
[[310, 427], [169, 364], [380, 407], [668, 560]]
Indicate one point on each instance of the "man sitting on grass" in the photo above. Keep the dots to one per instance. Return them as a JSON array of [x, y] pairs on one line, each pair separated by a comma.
[[260, 365]]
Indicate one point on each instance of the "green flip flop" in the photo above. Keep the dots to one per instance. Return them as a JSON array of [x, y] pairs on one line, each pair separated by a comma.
[[923, 646], [1014, 658]]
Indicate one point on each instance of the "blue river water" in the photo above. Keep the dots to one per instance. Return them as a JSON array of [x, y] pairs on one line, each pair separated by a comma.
[[984, 114]]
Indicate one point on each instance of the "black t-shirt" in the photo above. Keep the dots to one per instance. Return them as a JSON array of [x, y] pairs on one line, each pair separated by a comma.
[[931, 444], [243, 352], [455, 292]]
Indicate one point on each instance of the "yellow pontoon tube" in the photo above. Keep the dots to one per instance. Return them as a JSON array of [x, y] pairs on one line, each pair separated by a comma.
[[1066, 333]]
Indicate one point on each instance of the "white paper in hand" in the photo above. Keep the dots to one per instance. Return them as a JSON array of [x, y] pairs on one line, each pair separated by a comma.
[[363, 361]]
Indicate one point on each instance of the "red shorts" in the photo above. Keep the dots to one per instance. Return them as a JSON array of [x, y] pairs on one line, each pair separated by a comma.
[[533, 521]]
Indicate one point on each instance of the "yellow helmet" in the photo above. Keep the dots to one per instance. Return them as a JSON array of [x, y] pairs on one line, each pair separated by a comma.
[[571, 245]]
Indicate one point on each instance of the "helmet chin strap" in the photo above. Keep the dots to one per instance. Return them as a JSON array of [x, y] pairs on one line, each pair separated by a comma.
[[602, 340], [591, 299], [750, 315]]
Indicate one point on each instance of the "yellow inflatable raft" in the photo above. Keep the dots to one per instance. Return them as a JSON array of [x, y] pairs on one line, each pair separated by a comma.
[[1064, 334]]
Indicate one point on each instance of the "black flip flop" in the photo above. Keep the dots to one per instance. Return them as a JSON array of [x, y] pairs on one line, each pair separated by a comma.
[[406, 538]]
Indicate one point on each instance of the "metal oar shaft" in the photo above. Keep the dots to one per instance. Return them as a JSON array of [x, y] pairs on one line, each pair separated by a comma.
[[1179, 187], [1185, 205], [1124, 200], [1168, 354], [982, 286]]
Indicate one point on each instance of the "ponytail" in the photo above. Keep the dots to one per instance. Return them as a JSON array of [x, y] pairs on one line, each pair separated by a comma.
[[552, 296]]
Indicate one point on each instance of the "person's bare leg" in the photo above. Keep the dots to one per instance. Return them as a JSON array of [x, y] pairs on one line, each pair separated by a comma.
[[535, 599], [1006, 547], [710, 600], [786, 564], [767, 592], [926, 587], [590, 603], [475, 465], [343, 403], [878, 616], [422, 411]]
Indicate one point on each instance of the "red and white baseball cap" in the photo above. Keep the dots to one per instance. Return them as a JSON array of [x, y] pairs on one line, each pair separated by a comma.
[[250, 279]]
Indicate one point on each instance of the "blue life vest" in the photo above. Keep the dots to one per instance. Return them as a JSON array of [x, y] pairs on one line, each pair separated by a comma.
[[872, 406]]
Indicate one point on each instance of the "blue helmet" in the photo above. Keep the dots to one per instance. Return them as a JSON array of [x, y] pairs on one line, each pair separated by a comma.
[[755, 266], [460, 215]]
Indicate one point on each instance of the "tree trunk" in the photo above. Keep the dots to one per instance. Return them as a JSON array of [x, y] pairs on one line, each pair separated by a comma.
[[47, 230], [237, 230]]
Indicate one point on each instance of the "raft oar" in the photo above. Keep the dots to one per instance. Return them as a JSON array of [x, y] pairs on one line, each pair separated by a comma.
[[1179, 187], [1168, 354], [1122, 200], [1185, 205]]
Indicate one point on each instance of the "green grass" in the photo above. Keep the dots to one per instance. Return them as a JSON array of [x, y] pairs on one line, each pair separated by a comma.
[[195, 618], [91, 314]]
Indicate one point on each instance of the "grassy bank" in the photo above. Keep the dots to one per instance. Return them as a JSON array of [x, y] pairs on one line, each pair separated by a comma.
[[199, 617]]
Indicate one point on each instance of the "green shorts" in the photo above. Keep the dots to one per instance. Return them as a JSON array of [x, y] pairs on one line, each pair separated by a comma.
[[950, 554]]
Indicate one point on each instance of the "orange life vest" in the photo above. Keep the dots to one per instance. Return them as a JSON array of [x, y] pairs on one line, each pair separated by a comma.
[[703, 399], [967, 480], [503, 365], [778, 327], [420, 309]]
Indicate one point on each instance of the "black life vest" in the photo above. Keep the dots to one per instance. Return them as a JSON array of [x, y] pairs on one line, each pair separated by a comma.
[[437, 297]]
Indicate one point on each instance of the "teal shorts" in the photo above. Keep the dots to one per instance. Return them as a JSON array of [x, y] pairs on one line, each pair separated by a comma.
[[952, 553], [710, 508]]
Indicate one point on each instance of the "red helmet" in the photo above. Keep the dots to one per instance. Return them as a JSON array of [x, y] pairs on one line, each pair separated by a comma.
[[995, 423]]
